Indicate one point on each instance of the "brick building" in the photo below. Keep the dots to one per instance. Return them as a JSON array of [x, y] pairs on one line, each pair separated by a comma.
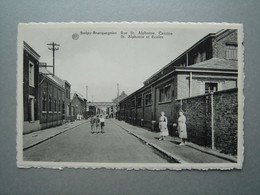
[[210, 65], [30, 89], [51, 98], [114, 111], [78, 106], [67, 101]]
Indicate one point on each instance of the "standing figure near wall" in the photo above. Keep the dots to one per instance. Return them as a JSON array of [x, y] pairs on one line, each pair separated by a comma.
[[182, 128], [163, 127]]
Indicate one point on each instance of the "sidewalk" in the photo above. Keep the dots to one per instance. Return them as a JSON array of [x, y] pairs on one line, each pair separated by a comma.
[[189, 153], [34, 138]]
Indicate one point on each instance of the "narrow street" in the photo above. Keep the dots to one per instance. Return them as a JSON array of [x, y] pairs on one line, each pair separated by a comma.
[[79, 145]]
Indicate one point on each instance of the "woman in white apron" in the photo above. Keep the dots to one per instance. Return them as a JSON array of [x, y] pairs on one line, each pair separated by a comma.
[[163, 127], [182, 128]]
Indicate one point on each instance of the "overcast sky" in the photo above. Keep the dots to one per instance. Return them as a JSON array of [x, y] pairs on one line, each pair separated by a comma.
[[102, 61]]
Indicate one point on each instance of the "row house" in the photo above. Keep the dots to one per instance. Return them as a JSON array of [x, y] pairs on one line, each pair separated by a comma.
[[114, 112], [30, 89], [209, 65], [46, 96], [78, 106], [52, 96]]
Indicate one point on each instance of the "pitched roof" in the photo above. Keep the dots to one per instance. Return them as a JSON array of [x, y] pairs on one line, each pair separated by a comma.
[[77, 94], [121, 97], [54, 78], [29, 49], [172, 64], [215, 63]]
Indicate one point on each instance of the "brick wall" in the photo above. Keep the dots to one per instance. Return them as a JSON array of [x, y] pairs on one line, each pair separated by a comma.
[[27, 89], [49, 118], [198, 119], [225, 117], [219, 44]]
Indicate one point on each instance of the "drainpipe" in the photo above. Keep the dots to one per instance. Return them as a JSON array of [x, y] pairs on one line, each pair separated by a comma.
[[190, 85], [212, 122]]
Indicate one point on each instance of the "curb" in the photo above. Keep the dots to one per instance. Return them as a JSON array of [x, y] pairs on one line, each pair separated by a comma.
[[52, 136], [219, 155], [176, 158]]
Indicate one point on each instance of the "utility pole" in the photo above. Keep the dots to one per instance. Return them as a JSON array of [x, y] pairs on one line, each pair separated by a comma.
[[86, 92], [117, 93], [54, 48]]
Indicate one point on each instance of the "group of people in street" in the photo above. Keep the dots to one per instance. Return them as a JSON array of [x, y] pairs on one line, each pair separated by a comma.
[[97, 122], [181, 127]]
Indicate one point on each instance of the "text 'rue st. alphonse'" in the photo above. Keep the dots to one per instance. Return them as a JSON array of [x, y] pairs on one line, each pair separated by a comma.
[[144, 34]]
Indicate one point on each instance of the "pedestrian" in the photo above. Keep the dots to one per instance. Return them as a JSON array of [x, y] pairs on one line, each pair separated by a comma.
[[182, 128], [163, 127], [97, 122], [93, 123], [102, 123]]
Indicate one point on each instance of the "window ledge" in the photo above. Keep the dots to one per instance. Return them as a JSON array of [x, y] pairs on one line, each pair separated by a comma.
[[169, 101], [44, 112], [50, 111]]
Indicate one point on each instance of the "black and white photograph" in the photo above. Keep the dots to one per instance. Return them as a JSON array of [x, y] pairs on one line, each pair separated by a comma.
[[134, 95]]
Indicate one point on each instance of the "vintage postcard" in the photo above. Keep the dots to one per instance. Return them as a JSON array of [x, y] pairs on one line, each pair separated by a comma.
[[133, 95]]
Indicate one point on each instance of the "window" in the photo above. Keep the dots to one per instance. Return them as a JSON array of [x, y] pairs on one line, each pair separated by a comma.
[[133, 103], [161, 95], [43, 102], [203, 56], [68, 110], [31, 74], [148, 99], [139, 101], [67, 93], [50, 104], [211, 87], [63, 108], [72, 111], [165, 94], [55, 105], [59, 106], [200, 57], [231, 51]]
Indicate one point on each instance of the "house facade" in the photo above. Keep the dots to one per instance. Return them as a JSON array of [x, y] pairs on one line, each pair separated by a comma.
[[114, 111], [78, 106], [30, 89], [51, 98], [209, 65]]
